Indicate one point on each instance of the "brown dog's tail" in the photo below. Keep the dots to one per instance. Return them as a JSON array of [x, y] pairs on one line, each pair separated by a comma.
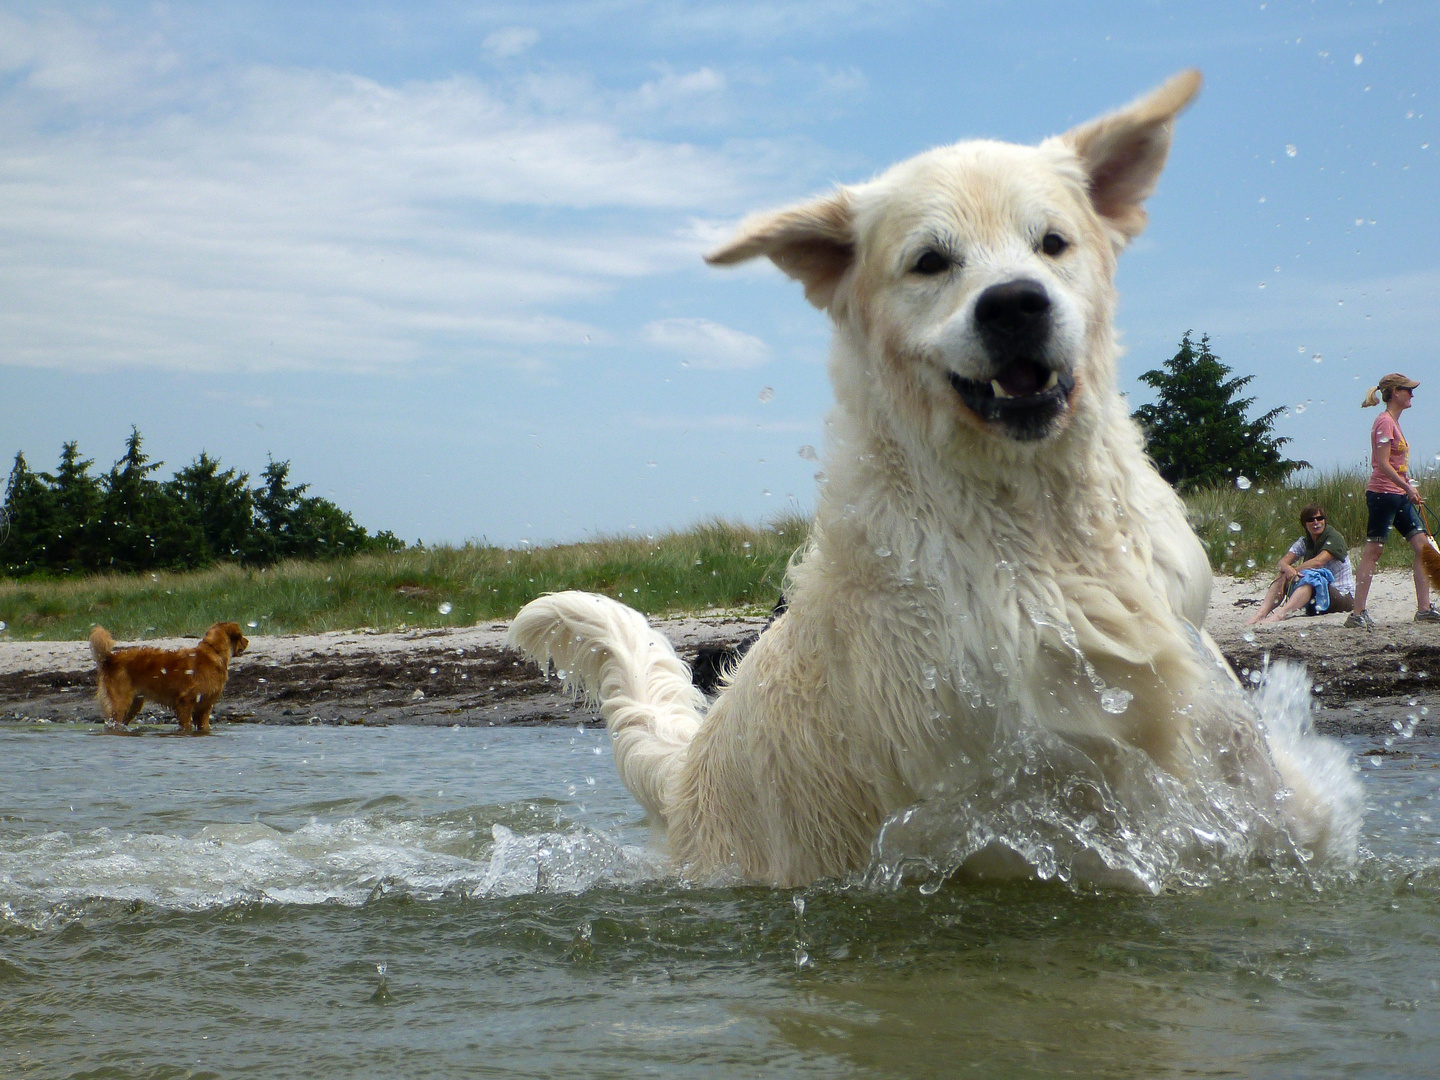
[[1430, 560], [101, 644]]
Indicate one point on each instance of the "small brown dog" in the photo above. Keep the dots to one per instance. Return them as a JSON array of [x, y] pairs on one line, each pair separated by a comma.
[[187, 680]]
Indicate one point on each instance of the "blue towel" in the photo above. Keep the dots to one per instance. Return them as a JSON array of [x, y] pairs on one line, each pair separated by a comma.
[[1320, 580]]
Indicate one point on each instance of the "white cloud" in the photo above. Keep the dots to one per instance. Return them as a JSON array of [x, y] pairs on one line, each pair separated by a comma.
[[510, 41], [266, 217], [707, 344]]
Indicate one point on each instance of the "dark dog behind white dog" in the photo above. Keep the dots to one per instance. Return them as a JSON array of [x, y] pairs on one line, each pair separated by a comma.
[[993, 552]]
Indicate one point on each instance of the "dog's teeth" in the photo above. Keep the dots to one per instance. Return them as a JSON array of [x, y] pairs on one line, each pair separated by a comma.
[[1051, 382], [999, 390]]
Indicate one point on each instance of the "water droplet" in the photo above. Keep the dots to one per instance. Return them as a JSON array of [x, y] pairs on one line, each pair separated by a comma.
[[1359, 59], [1317, 358], [930, 678], [1262, 284], [767, 395], [446, 608], [808, 453], [1115, 700], [883, 551], [799, 902], [1235, 526], [1243, 483], [651, 465], [1290, 150], [1248, 637], [252, 624], [2, 624], [746, 544], [1301, 407]]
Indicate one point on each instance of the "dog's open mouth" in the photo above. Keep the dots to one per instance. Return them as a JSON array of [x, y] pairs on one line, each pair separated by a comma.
[[1024, 396]]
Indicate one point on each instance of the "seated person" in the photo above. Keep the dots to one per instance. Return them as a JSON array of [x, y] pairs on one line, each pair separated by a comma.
[[1315, 574]]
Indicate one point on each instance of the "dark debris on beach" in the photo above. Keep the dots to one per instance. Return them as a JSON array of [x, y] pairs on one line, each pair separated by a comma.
[[1386, 678], [424, 685]]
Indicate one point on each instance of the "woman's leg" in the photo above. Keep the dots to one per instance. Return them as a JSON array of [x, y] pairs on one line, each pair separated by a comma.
[[1368, 558], [1298, 599], [1272, 597], [1422, 583]]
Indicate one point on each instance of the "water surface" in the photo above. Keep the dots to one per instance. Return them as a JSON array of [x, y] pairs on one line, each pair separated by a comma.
[[419, 902]]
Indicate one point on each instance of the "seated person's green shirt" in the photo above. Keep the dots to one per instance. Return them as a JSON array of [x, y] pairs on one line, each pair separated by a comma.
[[1330, 540]]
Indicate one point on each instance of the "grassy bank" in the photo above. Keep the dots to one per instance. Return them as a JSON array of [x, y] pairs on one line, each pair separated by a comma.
[[715, 565], [1268, 520]]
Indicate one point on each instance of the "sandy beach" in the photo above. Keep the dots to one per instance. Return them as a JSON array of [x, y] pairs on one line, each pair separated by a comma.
[[1363, 680]]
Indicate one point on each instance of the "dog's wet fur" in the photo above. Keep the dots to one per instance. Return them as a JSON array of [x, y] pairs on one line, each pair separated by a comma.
[[189, 681], [992, 547]]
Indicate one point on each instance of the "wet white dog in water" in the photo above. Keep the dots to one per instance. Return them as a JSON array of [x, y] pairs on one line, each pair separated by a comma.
[[994, 558]]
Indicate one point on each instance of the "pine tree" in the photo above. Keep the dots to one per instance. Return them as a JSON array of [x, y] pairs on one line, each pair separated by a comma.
[[30, 509], [144, 525], [1198, 432], [77, 506], [219, 504], [127, 520]]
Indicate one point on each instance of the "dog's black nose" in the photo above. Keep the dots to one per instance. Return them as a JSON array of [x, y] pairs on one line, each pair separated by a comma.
[[1017, 310]]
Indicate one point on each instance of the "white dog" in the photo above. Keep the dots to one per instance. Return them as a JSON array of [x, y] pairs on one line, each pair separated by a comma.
[[992, 550]]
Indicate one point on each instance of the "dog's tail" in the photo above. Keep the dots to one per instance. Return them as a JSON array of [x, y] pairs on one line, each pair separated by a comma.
[[1430, 560], [609, 652], [101, 644]]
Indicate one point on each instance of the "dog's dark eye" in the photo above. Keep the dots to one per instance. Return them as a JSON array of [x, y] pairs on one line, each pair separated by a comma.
[[931, 263], [1053, 244]]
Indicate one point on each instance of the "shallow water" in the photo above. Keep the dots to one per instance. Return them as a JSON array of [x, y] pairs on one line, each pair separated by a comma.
[[426, 902]]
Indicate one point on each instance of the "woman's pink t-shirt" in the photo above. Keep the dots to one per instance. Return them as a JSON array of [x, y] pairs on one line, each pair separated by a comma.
[[1388, 445]]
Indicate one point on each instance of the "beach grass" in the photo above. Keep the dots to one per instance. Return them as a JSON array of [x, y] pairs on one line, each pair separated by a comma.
[[1246, 531], [714, 565]]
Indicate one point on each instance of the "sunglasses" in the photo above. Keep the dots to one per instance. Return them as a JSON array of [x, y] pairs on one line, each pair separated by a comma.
[[1311, 521]]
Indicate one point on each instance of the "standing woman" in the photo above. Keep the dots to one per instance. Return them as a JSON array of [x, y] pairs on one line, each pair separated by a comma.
[[1390, 498]]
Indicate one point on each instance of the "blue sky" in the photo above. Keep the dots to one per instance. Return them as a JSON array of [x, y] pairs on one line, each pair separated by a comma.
[[445, 257]]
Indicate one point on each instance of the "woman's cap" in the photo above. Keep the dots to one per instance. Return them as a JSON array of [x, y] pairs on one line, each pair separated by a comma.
[[1394, 381]]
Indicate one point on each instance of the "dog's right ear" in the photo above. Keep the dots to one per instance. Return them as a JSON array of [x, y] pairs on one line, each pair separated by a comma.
[[813, 243], [1125, 151]]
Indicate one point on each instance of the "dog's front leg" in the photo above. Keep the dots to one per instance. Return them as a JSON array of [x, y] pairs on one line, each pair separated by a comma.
[[202, 715], [184, 709]]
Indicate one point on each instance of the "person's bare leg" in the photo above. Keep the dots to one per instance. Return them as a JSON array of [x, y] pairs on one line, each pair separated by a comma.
[[1368, 558], [1422, 583], [1272, 597], [1298, 599]]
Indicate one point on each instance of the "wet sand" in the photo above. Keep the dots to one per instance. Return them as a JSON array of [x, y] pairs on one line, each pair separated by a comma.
[[1364, 681]]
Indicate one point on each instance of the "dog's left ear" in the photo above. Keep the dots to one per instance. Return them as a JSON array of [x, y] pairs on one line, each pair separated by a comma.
[[1123, 152], [813, 243]]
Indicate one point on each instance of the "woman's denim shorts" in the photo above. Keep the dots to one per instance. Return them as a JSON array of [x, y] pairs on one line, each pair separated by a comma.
[[1386, 507]]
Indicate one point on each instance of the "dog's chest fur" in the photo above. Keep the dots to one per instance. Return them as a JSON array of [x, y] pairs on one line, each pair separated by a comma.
[[965, 601]]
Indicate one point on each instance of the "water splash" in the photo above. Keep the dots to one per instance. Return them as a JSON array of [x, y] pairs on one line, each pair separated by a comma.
[[1093, 811], [349, 862]]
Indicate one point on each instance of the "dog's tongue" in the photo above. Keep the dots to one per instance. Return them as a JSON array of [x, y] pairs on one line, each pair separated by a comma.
[[1022, 378]]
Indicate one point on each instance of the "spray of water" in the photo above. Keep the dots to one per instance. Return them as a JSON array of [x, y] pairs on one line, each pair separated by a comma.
[[1099, 813]]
